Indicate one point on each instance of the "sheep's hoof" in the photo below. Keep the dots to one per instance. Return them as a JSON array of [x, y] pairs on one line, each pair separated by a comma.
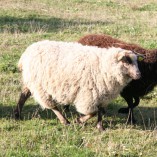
[[78, 121], [131, 121], [123, 110], [100, 127], [66, 122], [17, 116]]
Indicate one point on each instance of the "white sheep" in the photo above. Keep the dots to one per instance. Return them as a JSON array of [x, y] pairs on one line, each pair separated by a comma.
[[69, 73]]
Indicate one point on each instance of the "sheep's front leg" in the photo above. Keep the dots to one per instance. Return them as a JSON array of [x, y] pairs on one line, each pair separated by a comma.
[[130, 103], [129, 100], [131, 120], [99, 122], [83, 119], [129, 109], [25, 94]]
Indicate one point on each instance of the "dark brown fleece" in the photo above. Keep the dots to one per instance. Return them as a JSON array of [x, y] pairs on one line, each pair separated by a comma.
[[108, 41]]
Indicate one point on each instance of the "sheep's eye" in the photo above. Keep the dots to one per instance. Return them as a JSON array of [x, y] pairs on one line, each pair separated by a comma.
[[127, 60]]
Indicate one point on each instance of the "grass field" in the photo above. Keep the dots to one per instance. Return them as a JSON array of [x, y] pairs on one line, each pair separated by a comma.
[[40, 134]]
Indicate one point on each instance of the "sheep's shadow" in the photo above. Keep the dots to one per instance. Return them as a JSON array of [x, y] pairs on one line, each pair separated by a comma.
[[34, 111], [146, 116], [33, 23]]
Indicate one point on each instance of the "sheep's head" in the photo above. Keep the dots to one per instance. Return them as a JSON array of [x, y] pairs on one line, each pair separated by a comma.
[[128, 61]]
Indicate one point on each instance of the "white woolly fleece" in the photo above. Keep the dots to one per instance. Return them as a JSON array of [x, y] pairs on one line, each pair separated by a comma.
[[69, 73]]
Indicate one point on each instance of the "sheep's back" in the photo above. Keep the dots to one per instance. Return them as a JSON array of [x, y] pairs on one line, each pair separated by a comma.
[[106, 41], [59, 68]]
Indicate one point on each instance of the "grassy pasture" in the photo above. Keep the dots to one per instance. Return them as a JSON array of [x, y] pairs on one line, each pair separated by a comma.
[[40, 134]]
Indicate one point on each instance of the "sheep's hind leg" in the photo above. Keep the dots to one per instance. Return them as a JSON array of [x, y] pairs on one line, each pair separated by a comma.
[[25, 94], [45, 100], [59, 115]]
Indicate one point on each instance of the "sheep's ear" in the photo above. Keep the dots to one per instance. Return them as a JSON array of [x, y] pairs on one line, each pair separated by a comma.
[[121, 57], [140, 57], [125, 58]]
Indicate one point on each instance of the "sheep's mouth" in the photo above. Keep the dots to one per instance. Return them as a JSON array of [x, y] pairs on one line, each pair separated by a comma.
[[135, 77]]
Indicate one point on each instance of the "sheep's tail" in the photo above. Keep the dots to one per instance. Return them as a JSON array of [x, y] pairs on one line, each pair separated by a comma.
[[20, 64]]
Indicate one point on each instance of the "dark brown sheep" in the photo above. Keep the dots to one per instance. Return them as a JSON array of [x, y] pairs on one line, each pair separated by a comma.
[[148, 68]]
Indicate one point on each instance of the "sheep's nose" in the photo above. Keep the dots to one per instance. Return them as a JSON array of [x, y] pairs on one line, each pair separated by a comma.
[[138, 75]]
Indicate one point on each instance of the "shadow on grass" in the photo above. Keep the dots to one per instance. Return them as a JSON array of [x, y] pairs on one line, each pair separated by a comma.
[[34, 111], [146, 116], [34, 23]]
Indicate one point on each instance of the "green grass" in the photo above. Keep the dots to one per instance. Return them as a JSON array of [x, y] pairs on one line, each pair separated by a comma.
[[23, 22]]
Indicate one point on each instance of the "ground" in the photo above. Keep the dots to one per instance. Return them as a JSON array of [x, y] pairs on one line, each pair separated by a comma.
[[40, 133]]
